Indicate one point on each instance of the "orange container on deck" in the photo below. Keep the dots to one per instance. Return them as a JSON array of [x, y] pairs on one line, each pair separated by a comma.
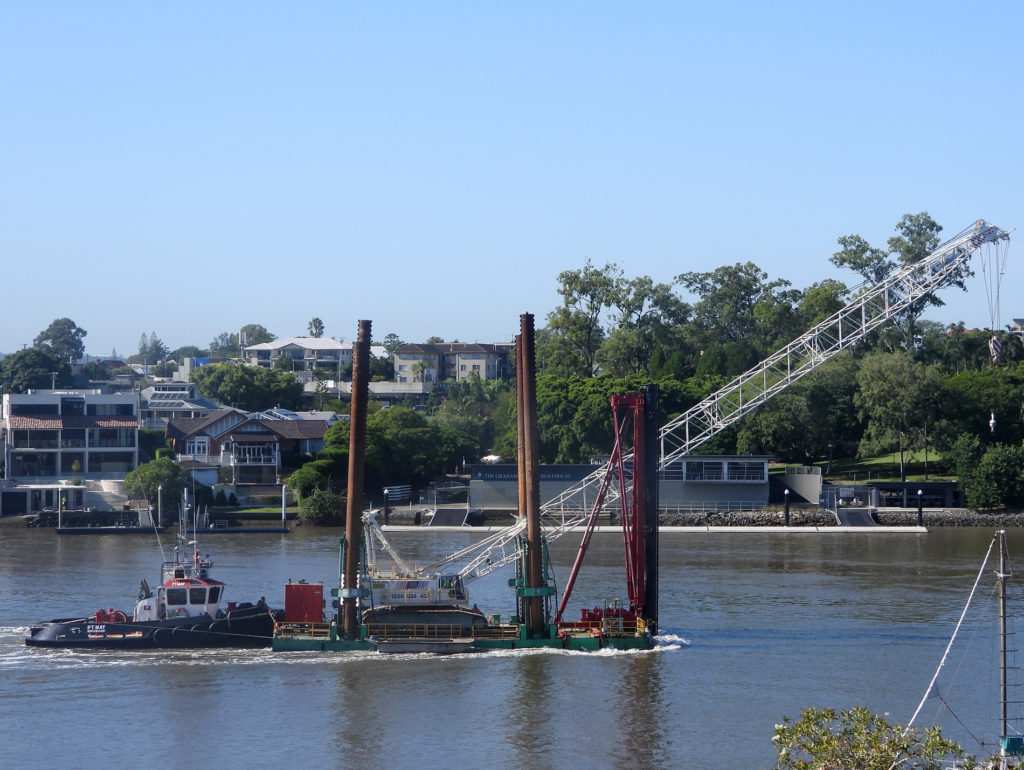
[[303, 602]]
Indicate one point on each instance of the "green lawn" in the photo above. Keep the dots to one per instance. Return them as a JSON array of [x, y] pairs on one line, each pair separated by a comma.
[[886, 468]]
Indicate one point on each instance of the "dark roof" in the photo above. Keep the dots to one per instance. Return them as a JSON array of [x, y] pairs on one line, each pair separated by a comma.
[[287, 429], [180, 427], [299, 429]]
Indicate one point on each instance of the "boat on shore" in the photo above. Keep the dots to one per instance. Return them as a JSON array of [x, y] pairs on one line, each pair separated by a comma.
[[185, 611]]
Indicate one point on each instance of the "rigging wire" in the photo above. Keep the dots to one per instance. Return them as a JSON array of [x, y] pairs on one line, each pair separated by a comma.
[[931, 685], [993, 266], [977, 626]]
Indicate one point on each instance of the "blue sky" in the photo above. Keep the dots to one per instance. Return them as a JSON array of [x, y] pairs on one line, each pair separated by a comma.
[[190, 167]]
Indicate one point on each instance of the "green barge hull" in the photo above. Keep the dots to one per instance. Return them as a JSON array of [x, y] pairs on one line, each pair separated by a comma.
[[323, 637]]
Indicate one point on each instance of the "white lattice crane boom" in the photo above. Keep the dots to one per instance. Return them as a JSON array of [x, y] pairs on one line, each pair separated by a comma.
[[875, 307]]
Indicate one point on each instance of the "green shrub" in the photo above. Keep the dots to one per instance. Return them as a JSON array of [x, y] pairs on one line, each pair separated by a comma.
[[322, 507]]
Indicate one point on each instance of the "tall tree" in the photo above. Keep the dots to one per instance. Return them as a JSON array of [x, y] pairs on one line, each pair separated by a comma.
[[254, 334], [857, 254], [224, 345], [898, 401], [33, 368], [392, 341], [315, 327], [821, 300], [729, 298], [645, 315], [152, 350], [63, 338], [587, 295], [917, 236], [157, 349]]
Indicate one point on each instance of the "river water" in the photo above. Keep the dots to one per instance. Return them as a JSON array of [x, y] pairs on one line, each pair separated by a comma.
[[754, 627]]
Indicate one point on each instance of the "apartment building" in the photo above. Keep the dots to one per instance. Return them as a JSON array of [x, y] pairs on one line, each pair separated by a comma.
[[51, 435]]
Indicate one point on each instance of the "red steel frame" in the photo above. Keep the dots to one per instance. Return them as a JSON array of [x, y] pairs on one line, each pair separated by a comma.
[[631, 503]]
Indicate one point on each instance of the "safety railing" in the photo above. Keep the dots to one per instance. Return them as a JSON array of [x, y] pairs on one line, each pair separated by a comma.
[[417, 630], [305, 630]]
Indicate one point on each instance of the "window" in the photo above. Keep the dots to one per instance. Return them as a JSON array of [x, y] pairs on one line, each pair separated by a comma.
[[197, 446], [704, 470], [746, 471], [673, 470], [197, 595], [72, 406], [177, 596], [33, 409], [214, 594]]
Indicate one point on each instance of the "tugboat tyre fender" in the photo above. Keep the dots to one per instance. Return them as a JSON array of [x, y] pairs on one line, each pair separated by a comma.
[[162, 637]]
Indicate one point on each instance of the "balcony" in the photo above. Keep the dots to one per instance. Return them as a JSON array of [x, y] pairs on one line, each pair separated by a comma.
[[269, 457], [196, 458], [35, 443]]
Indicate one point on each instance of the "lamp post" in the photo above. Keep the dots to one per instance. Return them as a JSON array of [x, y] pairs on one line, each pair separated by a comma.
[[159, 506], [284, 503], [920, 513], [786, 493]]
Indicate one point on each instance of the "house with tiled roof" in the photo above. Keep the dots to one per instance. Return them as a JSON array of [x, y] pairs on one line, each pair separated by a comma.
[[50, 435], [239, 448], [56, 445], [451, 361]]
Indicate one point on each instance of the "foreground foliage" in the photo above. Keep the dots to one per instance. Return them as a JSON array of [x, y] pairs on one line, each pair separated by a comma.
[[857, 739]]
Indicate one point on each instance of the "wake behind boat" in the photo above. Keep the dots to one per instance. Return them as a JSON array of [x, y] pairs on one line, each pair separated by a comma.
[[184, 612]]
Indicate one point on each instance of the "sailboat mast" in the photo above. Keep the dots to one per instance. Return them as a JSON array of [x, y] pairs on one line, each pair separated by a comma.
[[1003, 698]]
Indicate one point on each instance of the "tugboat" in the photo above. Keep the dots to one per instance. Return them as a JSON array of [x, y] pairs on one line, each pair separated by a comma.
[[184, 612]]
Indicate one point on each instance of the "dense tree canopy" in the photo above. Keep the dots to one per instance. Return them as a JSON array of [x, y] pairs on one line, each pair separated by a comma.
[[162, 477], [33, 368], [251, 388], [63, 339]]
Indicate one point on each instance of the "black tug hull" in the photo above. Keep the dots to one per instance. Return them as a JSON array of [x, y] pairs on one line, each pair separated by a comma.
[[245, 627]]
